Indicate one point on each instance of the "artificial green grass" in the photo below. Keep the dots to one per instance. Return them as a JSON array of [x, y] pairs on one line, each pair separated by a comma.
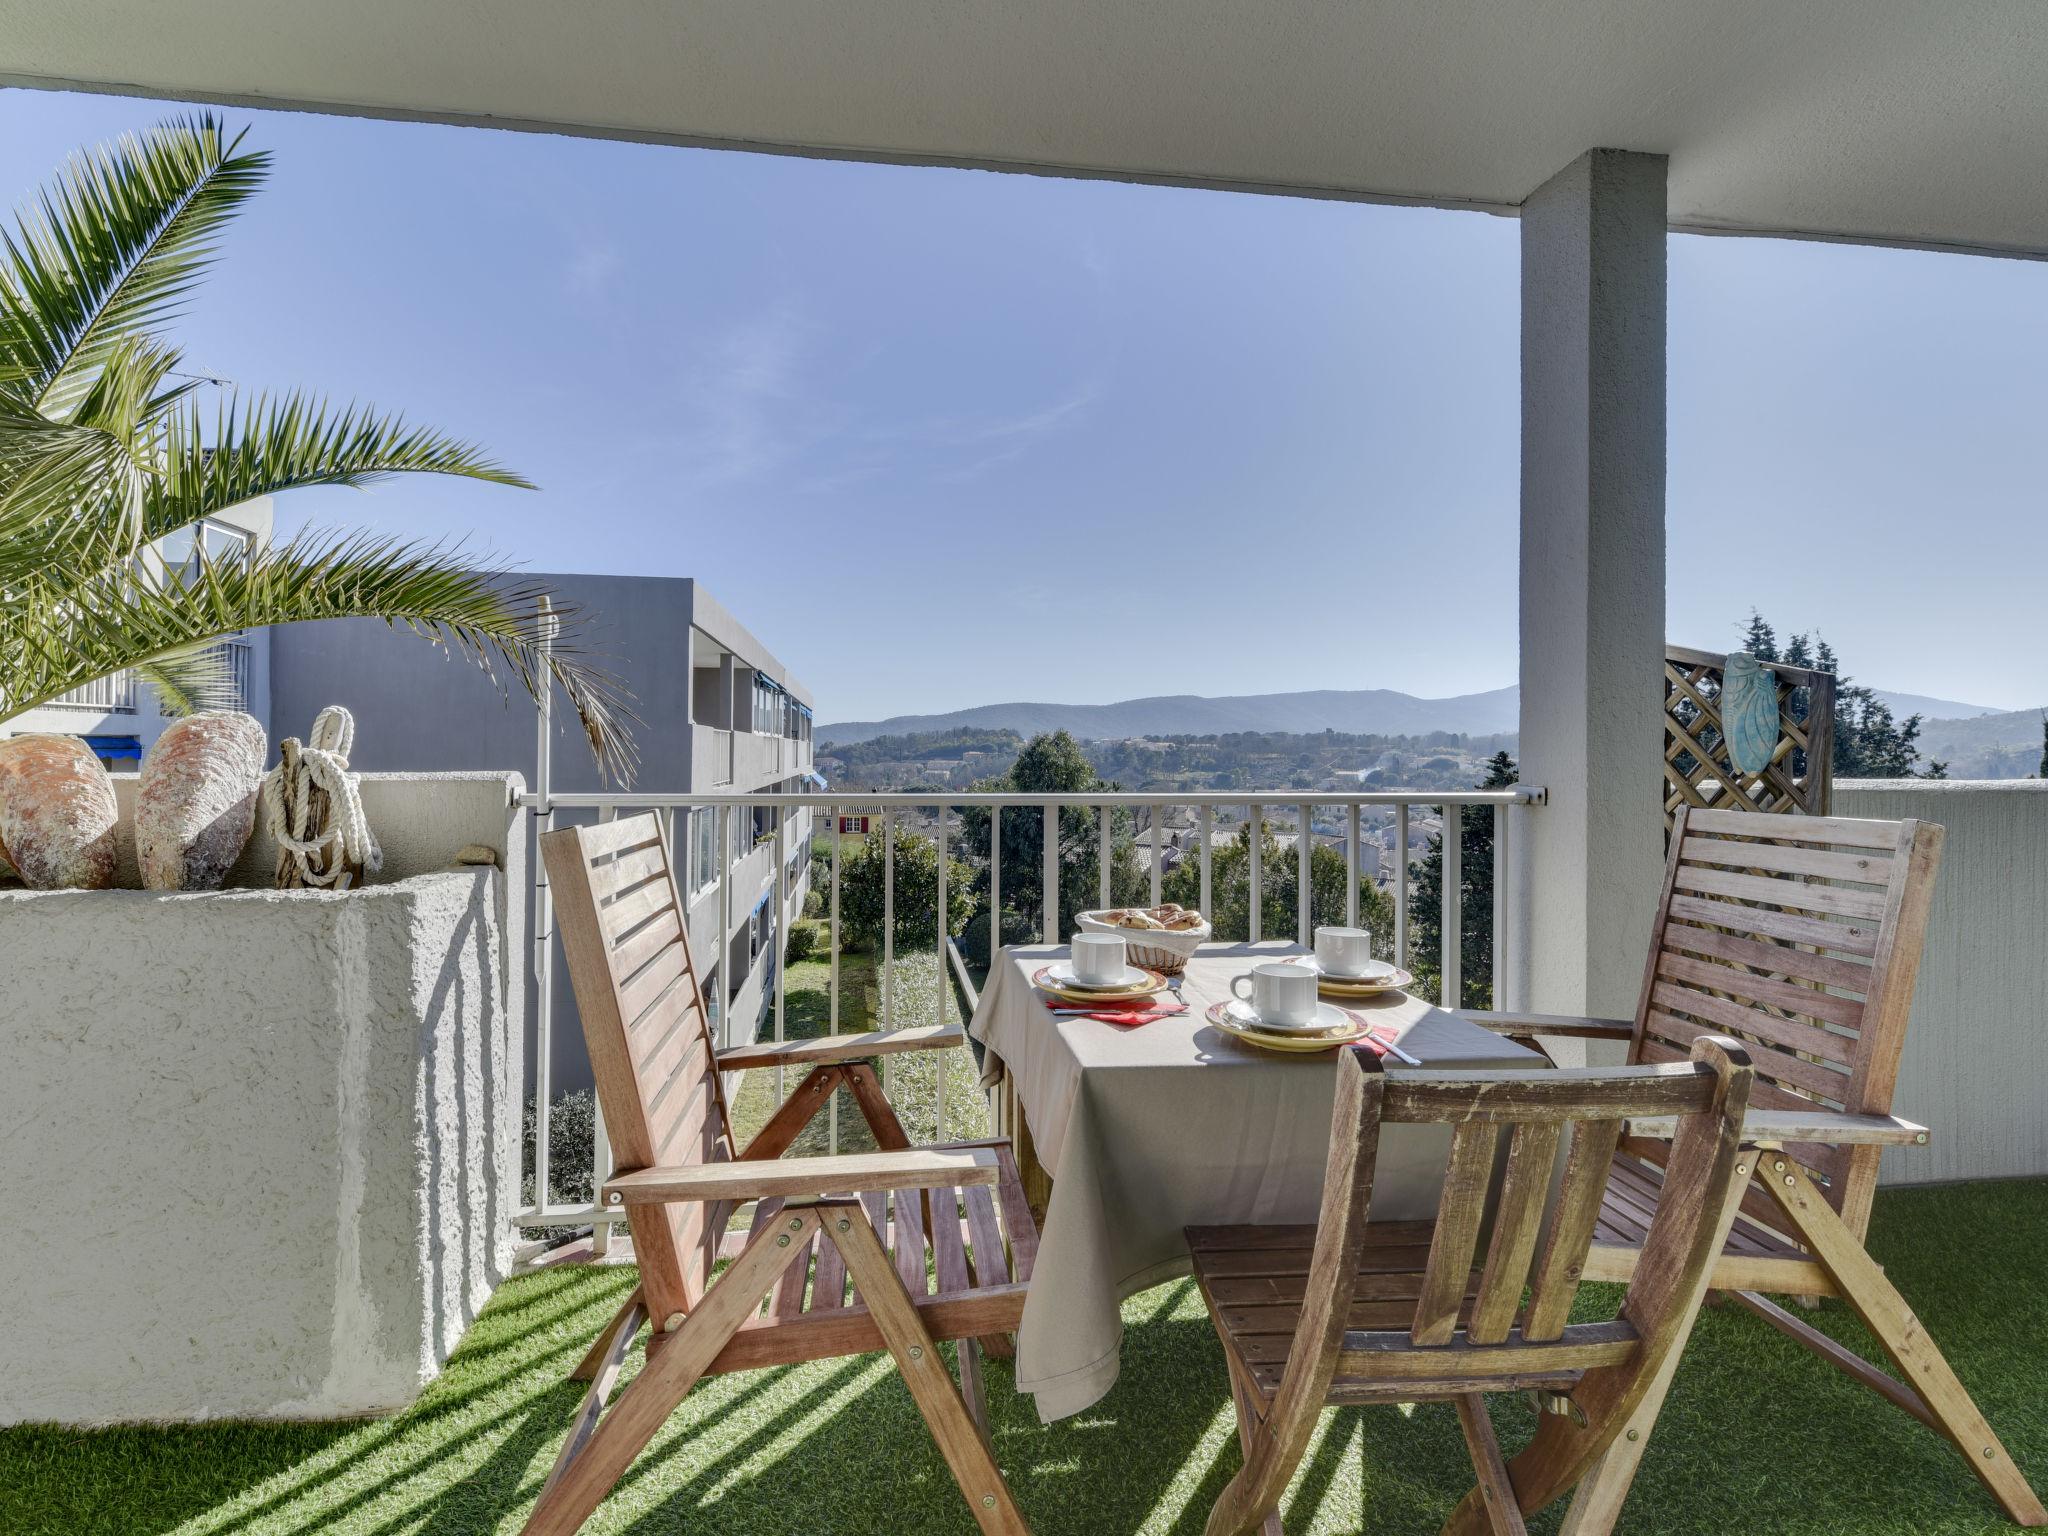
[[1758, 1436]]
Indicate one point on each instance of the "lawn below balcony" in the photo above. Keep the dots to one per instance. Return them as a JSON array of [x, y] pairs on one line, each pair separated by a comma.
[[1758, 1437]]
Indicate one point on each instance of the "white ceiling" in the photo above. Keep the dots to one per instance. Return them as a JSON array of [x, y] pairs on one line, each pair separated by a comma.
[[1922, 122]]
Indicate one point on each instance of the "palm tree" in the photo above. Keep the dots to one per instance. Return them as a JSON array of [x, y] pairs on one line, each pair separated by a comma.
[[105, 450]]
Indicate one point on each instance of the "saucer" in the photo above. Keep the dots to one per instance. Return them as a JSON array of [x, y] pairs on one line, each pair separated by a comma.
[[1294, 1040], [1329, 1020], [1335, 987], [1376, 973], [1061, 974]]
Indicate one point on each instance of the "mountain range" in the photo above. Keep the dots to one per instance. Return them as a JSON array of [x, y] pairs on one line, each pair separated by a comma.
[[1365, 711]]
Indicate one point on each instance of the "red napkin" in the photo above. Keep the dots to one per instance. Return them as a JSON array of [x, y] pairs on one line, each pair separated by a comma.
[[1130, 1018]]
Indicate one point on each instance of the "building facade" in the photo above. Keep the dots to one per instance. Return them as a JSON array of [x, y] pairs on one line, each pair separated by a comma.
[[717, 713]]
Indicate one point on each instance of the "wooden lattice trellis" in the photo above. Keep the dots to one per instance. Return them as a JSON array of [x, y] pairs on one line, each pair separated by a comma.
[[1697, 772]]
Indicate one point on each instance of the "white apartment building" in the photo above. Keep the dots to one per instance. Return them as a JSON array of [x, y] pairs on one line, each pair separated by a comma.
[[119, 715]]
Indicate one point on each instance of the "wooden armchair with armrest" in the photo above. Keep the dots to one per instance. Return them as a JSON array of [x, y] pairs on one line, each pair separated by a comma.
[[1801, 936], [841, 1253]]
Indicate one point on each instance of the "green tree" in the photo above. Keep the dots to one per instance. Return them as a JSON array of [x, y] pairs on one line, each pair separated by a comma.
[[1230, 886], [1053, 764], [2042, 771], [1475, 904], [1870, 743], [863, 893], [104, 451]]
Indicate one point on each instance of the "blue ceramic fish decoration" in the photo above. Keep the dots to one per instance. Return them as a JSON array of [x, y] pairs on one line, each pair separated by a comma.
[[1749, 712]]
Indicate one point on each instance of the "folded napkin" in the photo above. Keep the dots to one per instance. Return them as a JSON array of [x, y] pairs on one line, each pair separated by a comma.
[[1131, 1016]]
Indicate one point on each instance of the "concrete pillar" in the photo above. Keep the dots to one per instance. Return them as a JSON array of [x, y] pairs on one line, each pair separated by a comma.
[[1592, 581]]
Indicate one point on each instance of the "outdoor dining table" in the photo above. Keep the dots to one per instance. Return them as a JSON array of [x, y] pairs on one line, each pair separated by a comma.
[[1149, 1129]]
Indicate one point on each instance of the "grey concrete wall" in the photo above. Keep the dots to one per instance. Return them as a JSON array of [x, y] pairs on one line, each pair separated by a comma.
[[418, 707], [272, 1140], [1973, 1071]]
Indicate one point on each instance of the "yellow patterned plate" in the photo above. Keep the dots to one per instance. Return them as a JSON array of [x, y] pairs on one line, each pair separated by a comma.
[[1326, 1040], [1330, 986], [1098, 996]]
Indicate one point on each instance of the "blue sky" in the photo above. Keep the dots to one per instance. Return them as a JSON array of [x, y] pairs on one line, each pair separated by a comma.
[[943, 437]]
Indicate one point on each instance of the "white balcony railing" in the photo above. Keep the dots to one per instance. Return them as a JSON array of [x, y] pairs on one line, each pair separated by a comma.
[[117, 693], [937, 814], [111, 695]]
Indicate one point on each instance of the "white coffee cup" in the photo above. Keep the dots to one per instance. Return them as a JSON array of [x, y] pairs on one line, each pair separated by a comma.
[[1280, 992], [1344, 951], [1099, 958]]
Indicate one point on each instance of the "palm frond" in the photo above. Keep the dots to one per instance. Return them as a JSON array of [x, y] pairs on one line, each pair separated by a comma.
[[113, 248], [51, 643], [62, 483], [200, 677], [287, 443]]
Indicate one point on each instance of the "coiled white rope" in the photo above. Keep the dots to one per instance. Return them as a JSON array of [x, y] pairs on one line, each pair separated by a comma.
[[323, 856]]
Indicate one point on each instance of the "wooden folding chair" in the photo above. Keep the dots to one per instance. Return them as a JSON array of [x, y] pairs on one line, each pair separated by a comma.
[[1357, 1311], [1801, 935], [872, 1219]]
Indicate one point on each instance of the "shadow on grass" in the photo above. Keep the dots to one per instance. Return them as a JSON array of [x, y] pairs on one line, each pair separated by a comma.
[[1758, 1436]]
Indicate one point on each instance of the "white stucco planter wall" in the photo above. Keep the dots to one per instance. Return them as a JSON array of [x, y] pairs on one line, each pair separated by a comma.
[[1975, 1067], [265, 1144]]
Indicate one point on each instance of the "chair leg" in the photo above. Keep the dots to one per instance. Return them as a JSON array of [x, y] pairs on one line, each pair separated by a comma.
[[1884, 1312], [1494, 1485], [1597, 1501], [605, 1358], [959, 1438], [593, 1360], [1252, 1499], [606, 1447], [794, 1113], [1247, 1421], [971, 1385], [875, 1107]]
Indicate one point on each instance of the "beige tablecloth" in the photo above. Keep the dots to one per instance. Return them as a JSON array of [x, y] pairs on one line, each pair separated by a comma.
[[1174, 1124]]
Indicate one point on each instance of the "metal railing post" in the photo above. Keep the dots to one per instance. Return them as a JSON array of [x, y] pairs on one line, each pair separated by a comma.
[[832, 997], [1502, 820], [888, 927], [781, 938], [995, 884], [543, 921], [1208, 828], [1451, 991], [1051, 872], [939, 963], [1102, 896], [1304, 866], [1158, 853], [1351, 865], [600, 1138], [1401, 884], [1258, 872]]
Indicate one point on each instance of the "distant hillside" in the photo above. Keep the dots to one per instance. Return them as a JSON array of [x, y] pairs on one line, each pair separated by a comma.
[[2006, 746], [1366, 712], [1371, 711], [1904, 704]]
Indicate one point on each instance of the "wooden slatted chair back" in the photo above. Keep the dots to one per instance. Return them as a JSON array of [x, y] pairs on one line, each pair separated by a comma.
[[1801, 936], [625, 934], [1471, 1325]]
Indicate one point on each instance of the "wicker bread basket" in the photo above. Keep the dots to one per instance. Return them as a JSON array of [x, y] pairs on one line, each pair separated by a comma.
[[1157, 949]]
